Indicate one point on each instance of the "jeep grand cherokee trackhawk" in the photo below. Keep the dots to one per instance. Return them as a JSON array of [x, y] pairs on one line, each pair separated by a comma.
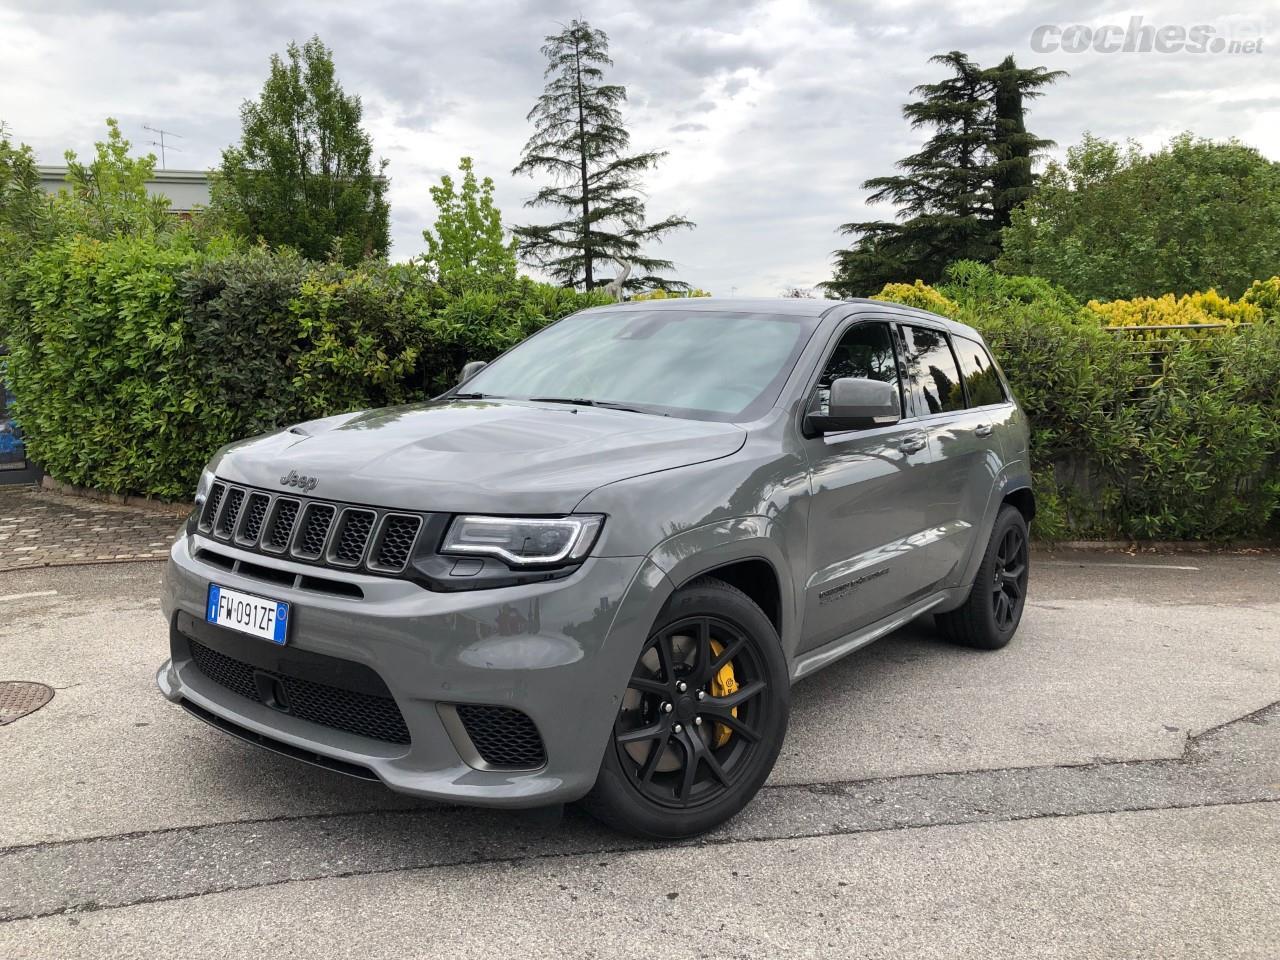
[[593, 569]]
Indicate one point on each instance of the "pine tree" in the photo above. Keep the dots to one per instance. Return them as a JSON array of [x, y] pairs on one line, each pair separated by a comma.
[[580, 140], [1013, 149], [954, 195], [304, 175]]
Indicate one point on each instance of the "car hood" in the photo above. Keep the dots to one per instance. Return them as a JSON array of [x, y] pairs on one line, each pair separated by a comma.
[[474, 455]]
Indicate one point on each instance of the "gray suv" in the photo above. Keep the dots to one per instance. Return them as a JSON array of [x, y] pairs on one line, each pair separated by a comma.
[[593, 570]]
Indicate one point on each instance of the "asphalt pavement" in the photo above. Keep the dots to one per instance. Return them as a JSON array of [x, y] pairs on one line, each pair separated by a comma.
[[1106, 786]]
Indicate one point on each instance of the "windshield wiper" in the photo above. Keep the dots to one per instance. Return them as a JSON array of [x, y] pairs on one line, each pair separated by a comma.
[[474, 396], [603, 404]]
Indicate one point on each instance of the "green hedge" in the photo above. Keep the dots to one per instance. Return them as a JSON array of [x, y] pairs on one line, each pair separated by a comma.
[[133, 360], [1196, 456]]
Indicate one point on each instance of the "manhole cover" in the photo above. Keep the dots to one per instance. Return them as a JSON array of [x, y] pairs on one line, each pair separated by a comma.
[[20, 697]]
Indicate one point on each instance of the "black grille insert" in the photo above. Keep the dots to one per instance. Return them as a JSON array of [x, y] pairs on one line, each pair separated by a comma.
[[282, 522], [362, 714], [349, 544], [503, 736], [227, 519], [211, 505], [315, 530], [254, 514], [398, 534]]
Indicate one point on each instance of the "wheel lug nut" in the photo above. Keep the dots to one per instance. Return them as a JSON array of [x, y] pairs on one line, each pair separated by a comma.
[[702, 694], [697, 721], [678, 729], [682, 686], [667, 708]]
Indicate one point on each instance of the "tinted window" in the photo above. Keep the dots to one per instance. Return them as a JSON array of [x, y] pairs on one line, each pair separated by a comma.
[[931, 371], [980, 375], [700, 364], [865, 350]]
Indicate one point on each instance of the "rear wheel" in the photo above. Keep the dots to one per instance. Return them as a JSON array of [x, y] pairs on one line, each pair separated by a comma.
[[701, 721], [990, 615]]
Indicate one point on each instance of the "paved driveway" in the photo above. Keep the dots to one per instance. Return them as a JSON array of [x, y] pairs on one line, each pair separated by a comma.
[[1107, 786]]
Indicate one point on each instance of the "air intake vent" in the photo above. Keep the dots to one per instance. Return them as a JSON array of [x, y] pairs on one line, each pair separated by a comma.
[[211, 506], [254, 513], [354, 528], [281, 528], [503, 737], [230, 513], [398, 534], [315, 530]]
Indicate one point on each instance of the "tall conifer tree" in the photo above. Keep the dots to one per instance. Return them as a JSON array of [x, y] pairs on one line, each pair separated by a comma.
[[580, 140]]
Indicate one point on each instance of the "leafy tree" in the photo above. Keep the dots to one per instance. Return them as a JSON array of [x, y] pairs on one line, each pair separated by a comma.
[[1112, 223], [469, 247], [953, 195], [107, 197], [580, 140], [23, 205], [303, 175]]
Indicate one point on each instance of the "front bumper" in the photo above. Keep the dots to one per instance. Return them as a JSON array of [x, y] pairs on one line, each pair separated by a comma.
[[558, 651]]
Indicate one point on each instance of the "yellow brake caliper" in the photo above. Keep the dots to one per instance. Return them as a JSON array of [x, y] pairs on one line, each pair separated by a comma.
[[723, 684]]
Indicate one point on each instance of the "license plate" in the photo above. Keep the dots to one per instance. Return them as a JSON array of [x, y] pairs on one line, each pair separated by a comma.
[[256, 616]]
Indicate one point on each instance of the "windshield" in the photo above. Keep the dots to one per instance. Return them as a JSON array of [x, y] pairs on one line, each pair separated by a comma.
[[697, 364]]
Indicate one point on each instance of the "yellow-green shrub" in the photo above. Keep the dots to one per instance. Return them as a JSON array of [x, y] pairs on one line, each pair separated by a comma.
[[919, 295], [670, 295], [1168, 310], [1265, 295]]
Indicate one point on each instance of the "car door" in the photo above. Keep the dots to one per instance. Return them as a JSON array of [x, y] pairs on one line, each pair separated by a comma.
[[964, 460], [869, 499]]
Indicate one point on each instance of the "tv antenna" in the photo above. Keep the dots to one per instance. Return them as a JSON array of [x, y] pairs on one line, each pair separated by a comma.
[[161, 144]]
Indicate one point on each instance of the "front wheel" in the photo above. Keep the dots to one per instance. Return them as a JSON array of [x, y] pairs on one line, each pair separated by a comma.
[[701, 721], [990, 615]]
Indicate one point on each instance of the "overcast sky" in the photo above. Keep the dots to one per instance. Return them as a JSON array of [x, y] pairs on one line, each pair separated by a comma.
[[773, 112]]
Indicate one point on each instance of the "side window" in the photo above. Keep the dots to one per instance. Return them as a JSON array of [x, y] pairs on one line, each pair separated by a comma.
[[980, 375], [865, 350], [931, 371]]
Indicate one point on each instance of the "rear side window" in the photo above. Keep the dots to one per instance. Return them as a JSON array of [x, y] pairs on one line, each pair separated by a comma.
[[980, 376], [931, 371], [865, 350]]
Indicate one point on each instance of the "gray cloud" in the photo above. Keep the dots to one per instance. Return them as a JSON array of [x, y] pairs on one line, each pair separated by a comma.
[[773, 113]]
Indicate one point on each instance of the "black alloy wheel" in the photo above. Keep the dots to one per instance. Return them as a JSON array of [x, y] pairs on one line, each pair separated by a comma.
[[684, 735], [701, 720], [990, 615], [1009, 586]]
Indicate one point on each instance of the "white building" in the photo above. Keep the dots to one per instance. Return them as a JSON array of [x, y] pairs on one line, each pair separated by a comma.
[[186, 189]]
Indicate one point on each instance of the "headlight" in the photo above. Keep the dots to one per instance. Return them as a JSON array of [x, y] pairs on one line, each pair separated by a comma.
[[524, 541]]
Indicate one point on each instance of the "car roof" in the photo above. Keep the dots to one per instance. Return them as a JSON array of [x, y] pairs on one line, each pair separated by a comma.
[[791, 306], [796, 306]]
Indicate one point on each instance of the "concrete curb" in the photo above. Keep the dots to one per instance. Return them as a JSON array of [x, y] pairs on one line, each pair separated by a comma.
[[176, 508]]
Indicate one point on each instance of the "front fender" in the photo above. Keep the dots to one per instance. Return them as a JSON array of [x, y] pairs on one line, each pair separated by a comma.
[[701, 550]]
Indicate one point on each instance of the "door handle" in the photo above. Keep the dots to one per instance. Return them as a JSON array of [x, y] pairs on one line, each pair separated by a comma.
[[982, 430], [913, 443]]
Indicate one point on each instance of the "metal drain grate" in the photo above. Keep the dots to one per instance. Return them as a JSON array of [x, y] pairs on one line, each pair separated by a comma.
[[20, 697]]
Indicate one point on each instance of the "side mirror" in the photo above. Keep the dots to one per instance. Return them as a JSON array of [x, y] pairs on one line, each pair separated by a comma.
[[471, 369], [856, 404]]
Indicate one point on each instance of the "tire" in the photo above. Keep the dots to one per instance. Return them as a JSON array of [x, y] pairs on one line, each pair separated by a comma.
[[681, 707], [990, 615]]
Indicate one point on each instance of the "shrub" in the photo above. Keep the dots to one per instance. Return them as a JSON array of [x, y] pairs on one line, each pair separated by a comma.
[[1168, 310], [1265, 295], [1194, 456], [134, 360], [920, 295]]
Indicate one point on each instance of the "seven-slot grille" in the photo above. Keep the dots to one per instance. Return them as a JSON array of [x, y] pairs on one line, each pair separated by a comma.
[[314, 531]]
